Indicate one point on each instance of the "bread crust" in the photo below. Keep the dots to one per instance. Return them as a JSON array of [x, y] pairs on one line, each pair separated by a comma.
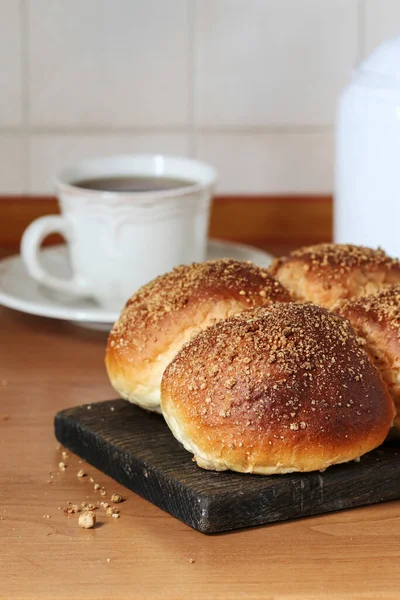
[[283, 388], [376, 319], [166, 313], [327, 274]]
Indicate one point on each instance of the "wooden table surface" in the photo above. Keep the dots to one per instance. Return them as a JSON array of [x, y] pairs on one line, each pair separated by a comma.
[[48, 365]]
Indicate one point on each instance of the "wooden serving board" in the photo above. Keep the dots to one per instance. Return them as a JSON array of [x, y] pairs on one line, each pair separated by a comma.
[[137, 449]]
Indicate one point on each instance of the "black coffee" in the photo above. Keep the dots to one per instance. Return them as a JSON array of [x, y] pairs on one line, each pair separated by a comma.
[[137, 183]]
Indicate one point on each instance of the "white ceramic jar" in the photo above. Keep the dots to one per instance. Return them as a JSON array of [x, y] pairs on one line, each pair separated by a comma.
[[367, 182]]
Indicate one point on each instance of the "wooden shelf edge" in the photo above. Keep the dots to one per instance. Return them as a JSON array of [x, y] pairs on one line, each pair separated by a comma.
[[263, 221]]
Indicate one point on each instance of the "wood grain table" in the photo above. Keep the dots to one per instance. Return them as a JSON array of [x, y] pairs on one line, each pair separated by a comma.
[[48, 365]]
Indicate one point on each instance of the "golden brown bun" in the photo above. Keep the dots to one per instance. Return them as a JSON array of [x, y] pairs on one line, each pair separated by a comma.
[[284, 388], [169, 311], [376, 318], [328, 273]]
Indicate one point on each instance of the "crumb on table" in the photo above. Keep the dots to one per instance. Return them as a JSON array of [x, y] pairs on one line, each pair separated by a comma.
[[87, 520], [116, 498]]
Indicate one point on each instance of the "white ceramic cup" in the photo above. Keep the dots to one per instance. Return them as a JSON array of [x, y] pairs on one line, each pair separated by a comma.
[[118, 241]]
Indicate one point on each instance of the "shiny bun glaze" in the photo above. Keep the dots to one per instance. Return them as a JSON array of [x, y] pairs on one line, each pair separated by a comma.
[[329, 273], [166, 313], [288, 387], [376, 319]]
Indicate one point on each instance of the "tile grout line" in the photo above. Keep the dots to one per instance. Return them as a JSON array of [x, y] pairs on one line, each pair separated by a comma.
[[361, 29], [25, 91], [192, 77], [169, 130]]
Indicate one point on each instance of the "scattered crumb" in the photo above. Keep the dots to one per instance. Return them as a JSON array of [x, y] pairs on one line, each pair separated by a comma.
[[191, 560], [103, 492], [116, 498], [62, 466], [81, 473], [46, 517], [89, 506], [87, 520], [96, 486], [72, 510], [91, 480], [108, 559], [58, 447], [48, 533], [49, 481], [111, 510], [115, 516], [65, 454]]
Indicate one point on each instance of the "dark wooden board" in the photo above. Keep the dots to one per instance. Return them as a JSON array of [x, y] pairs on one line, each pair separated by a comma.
[[137, 449]]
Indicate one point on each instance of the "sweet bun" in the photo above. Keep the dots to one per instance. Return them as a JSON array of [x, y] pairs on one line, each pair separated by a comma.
[[328, 273], [167, 312], [284, 388], [376, 318]]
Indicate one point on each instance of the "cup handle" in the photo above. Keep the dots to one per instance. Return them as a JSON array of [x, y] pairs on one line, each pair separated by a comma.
[[32, 239]]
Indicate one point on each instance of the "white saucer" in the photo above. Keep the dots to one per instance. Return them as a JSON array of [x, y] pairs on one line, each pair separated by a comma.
[[19, 291]]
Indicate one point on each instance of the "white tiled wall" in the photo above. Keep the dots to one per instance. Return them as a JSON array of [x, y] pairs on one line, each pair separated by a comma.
[[249, 85], [49, 153], [11, 76], [272, 62], [108, 63]]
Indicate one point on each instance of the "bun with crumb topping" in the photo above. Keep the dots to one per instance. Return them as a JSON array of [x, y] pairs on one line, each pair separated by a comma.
[[328, 273], [283, 388], [166, 313], [376, 318]]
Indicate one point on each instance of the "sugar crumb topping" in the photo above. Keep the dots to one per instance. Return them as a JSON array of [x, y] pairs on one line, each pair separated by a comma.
[[383, 305], [341, 258], [189, 284], [290, 368]]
